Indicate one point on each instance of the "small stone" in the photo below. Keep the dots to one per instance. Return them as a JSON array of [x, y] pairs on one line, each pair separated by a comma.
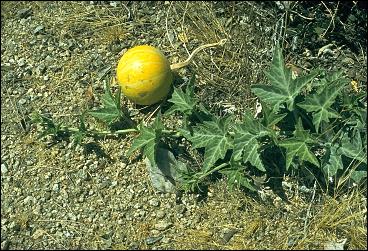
[[28, 199], [180, 209], [24, 13], [46, 78], [21, 62], [14, 226], [38, 29], [4, 169], [55, 187], [160, 214], [154, 202], [22, 101], [229, 234], [137, 206], [152, 240], [163, 225], [41, 69], [113, 4], [165, 240], [47, 195], [48, 58], [5, 245]]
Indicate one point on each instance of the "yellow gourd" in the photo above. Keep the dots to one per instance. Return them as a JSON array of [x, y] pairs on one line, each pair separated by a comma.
[[145, 74]]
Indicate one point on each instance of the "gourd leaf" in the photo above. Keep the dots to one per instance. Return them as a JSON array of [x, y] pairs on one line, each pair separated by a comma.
[[320, 104], [148, 140], [271, 117], [183, 101], [50, 127], [352, 147], [283, 88], [298, 146], [111, 111], [333, 161], [246, 145], [357, 176], [213, 136], [236, 178], [82, 131]]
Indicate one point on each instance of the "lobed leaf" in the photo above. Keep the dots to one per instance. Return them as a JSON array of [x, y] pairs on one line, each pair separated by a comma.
[[111, 111], [333, 162], [183, 101], [298, 146], [236, 178], [212, 135], [148, 139], [283, 88], [320, 104], [246, 145]]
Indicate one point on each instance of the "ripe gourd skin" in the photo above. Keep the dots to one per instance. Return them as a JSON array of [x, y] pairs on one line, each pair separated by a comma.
[[144, 74]]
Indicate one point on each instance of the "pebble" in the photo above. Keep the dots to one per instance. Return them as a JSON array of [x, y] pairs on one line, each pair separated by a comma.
[[22, 101], [163, 225], [28, 199], [152, 240], [55, 187], [5, 245], [154, 202], [21, 62], [38, 29], [160, 214], [24, 13], [4, 169]]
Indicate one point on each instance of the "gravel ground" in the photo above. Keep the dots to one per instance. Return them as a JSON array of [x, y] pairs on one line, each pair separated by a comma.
[[56, 197]]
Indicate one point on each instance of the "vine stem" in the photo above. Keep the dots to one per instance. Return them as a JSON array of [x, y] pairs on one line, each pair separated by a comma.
[[106, 133], [190, 58], [213, 170], [110, 133]]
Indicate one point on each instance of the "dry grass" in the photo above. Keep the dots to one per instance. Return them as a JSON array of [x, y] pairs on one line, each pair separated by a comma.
[[280, 225]]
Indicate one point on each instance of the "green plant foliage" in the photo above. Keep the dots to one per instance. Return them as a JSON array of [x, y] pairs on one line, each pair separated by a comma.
[[246, 145], [183, 101], [50, 127], [148, 139], [283, 88], [111, 111], [298, 146], [213, 136], [82, 131], [236, 178], [320, 104], [310, 120]]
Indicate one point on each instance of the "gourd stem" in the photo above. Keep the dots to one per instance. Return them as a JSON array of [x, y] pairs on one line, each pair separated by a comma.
[[190, 58]]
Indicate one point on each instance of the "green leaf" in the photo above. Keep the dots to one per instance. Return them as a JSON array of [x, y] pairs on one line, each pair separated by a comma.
[[298, 146], [283, 88], [246, 145], [148, 139], [50, 128], [212, 135], [82, 131], [352, 147], [271, 117], [333, 162], [183, 101], [320, 104], [236, 178], [111, 111], [357, 176]]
